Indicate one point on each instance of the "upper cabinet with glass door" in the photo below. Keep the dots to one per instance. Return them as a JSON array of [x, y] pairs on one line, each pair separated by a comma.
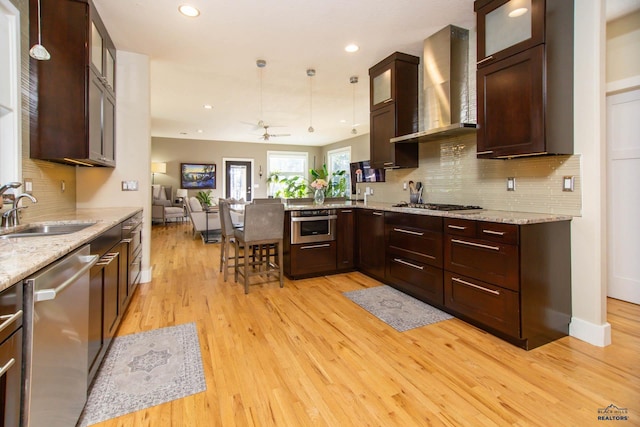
[[507, 27], [102, 55]]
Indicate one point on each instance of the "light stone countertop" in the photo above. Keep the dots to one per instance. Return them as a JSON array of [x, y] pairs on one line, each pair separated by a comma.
[[23, 256], [507, 217]]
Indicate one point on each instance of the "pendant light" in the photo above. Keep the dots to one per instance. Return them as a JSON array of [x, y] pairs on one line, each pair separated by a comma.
[[354, 80], [38, 51], [261, 63], [311, 72]]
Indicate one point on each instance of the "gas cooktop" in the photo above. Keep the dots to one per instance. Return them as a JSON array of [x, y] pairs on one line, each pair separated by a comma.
[[436, 206]]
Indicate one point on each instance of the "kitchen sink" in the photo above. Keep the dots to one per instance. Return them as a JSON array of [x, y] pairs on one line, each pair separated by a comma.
[[47, 230]]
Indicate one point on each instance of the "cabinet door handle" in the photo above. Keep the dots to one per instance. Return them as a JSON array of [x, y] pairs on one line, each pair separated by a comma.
[[482, 61], [457, 227], [478, 245], [378, 213], [347, 211], [386, 101], [9, 319], [479, 153], [417, 267], [473, 285], [497, 233], [325, 245], [415, 233]]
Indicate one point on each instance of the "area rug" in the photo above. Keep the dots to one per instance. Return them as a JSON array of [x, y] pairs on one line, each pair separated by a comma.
[[395, 308], [146, 369]]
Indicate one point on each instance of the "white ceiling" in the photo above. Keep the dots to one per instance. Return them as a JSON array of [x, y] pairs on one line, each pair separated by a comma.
[[212, 60]]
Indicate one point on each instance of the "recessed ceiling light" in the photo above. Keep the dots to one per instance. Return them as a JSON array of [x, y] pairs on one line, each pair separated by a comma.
[[343, 121], [352, 48], [518, 12], [207, 106], [188, 10], [200, 131]]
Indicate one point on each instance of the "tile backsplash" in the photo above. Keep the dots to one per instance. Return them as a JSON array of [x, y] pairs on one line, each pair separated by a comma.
[[451, 173]]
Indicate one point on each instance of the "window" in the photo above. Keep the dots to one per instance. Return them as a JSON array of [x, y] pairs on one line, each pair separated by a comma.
[[10, 144], [339, 160], [287, 165]]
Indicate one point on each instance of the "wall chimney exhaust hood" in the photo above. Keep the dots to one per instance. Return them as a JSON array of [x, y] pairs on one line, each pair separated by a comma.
[[447, 109]]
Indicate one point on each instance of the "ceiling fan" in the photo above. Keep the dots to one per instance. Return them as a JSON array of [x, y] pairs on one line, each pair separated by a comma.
[[266, 135]]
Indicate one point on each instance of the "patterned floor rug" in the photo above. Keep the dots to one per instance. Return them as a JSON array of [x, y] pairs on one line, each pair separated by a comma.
[[146, 369], [395, 308]]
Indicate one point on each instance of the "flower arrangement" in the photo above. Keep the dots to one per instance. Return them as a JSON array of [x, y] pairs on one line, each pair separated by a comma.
[[319, 184]]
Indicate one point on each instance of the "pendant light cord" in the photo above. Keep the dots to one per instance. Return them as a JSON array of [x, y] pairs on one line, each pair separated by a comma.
[[39, 24]]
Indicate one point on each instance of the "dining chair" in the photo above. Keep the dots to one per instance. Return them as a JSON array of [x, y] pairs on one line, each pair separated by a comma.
[[263, 226]]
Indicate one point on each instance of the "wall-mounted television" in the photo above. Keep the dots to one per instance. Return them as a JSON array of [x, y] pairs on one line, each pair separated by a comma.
[[362, 172]]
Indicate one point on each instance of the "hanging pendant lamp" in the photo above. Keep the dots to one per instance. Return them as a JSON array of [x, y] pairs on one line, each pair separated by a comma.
[[311, 72], [354, 80], [38, 51]]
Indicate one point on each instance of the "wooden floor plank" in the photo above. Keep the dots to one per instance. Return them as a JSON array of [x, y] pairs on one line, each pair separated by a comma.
[[305, 355]]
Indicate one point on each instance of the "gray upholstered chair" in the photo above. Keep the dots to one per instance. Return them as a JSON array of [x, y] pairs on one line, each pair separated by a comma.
[[263, 226], [162, 208], [267, 200]]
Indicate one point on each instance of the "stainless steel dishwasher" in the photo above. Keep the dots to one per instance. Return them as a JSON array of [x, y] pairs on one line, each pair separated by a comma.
[[57, 320]]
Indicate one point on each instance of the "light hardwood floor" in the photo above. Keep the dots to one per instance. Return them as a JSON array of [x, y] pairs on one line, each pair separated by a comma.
[[306, 355]]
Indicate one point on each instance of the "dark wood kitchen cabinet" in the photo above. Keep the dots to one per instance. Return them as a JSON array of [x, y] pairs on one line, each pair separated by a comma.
[[73, 94], [393, 88], [371, 242], [513, 280], [414, 255], [345, 236], [524, 78]]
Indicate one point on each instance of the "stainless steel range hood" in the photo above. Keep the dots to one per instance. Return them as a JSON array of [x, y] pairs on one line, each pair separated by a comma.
[[446, 96]]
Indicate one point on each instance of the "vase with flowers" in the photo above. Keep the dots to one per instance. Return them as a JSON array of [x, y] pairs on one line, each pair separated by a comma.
[[318, 185]]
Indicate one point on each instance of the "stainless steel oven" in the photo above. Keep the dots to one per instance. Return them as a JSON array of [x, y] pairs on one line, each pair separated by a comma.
[[313, 225]]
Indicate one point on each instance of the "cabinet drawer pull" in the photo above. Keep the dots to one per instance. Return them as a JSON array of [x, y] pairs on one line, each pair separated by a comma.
[[325, 245], [478, 245], [457, 227], [8, 319], [482, 61], [8, 366], [347, 211], [417, 267], [497, 233], [415, 233], [387, 100], [479, 153], [378, 213], [473, 285], [388, 163]]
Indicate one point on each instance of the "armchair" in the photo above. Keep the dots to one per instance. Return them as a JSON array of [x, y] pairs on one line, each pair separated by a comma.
[[162, 207], [201, 218]]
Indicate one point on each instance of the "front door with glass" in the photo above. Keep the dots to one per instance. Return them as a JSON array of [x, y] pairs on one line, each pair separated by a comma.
[[238, 180]]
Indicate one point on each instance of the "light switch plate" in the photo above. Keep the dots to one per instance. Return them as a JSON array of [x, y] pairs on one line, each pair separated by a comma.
[[129, 185], [28, 185], [511, 184], [567, 183]]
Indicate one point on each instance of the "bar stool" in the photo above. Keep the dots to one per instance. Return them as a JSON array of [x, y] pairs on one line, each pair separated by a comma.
[[227, 239], [263, 226]]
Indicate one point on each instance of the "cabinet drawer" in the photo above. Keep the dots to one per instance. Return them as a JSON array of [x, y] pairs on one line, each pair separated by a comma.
[[416, 244], [491, 262], [460, 227], [420, 280], [423, 222], [490, 305], [313, 258], [498, 232]]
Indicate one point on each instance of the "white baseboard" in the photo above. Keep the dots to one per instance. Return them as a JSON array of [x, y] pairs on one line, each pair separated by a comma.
[[145, 275], [599, 335]]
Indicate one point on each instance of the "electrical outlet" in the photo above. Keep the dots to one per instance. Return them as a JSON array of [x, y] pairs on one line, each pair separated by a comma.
[[28, 185], [404, 185], [371, 191], [567, 183], [511, 184]]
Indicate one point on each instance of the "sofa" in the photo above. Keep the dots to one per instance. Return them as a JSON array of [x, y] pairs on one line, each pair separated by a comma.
[[162, 208]]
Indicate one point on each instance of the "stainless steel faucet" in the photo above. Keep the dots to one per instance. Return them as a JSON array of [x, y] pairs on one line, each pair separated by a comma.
[[11, 218], [5, 187]]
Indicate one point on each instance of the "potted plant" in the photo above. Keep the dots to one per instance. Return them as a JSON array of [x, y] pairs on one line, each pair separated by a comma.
[[204, 197]]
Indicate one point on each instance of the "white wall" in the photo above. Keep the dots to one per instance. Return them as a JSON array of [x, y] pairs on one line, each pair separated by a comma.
[[102, 187], [588, 240]]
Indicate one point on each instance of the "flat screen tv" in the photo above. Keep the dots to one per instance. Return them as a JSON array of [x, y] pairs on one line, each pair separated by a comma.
[[362, 172]]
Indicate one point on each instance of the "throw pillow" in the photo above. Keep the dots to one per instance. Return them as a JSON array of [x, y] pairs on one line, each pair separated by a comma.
[[195, 205], [155, 190], [163, 194]]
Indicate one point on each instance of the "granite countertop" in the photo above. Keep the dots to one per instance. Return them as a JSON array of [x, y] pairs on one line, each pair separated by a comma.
[[507, 217], [23, 256]]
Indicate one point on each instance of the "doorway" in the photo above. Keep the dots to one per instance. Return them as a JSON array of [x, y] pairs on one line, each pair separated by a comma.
[[623, 207], [237, 177]]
